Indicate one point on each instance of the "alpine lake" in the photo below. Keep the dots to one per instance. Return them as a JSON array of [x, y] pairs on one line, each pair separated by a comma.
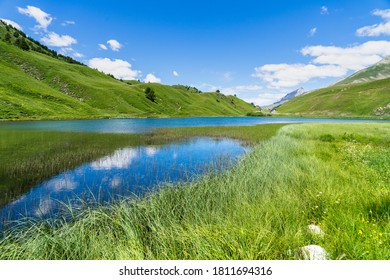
[[49, 167]]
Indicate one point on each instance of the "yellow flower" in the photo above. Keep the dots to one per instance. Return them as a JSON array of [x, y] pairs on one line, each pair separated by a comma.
[[360, 232]]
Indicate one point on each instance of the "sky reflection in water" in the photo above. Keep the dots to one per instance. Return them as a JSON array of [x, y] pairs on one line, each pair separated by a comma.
[[127, 171]]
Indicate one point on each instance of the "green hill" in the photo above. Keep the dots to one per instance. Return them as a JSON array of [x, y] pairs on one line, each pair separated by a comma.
[[364, 94], [37, 83]]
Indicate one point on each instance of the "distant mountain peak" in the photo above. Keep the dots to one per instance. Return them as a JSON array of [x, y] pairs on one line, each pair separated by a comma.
[[292, 94], [287, 97]]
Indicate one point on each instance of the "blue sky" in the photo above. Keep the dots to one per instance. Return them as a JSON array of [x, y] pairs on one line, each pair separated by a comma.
[[259, 50]]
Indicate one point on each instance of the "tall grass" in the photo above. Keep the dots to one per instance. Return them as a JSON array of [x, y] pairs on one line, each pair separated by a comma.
[[333, 175], [29, 157]]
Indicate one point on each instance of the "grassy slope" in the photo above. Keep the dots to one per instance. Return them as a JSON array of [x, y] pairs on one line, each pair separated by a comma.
[[333, 175], [377, 71], [37, 86], [343, 100]]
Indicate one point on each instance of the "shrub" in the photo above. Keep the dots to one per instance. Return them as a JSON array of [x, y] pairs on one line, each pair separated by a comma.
[[149, 94]]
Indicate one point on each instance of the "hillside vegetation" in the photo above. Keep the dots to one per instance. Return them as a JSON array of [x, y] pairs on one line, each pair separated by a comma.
[[38, 83], [367, 99]]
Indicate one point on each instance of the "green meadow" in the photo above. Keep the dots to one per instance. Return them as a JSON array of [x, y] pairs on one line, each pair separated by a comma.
[[335, 176]]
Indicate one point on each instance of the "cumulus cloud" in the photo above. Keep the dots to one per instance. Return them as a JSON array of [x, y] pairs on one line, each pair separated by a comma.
[[121, 69], [151, 78], [42, 18], [324, 10], [12, 23], [114, 45], [327, 62], [174, 73], [379, 29], [291, 75], [352, 58], [55, 40], [312, 31]]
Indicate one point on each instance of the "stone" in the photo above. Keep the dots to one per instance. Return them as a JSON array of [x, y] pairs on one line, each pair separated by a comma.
[[314, 252]]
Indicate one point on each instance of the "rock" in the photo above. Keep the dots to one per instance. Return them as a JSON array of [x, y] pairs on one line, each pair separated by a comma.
[[315, 230], [314, 252]]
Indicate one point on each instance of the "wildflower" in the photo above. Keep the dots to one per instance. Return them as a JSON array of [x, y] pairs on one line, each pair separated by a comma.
[[360, 232]]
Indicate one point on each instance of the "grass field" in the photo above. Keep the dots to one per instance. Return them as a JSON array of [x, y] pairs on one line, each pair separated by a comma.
[[332, 175]]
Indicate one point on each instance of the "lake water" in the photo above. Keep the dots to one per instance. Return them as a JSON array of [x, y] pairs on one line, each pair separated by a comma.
[[131, 170], [147, 125], [125, 172]]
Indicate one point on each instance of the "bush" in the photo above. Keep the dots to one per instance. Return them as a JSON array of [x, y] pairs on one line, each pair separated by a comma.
[[149, 94]]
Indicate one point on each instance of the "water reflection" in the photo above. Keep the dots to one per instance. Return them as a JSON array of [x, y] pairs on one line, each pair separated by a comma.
[[121, 159], [127, 171]]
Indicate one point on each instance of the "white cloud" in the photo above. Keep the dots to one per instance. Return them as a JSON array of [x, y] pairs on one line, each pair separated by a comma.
[[313, 31], [77, 55], [55, 40], [70, 52], [174, 73], [291, 75], [42, 18], [377, 29], [103, 47], [151, 78], [12, 23], [68, 22], [264, 99], [121, 69], [385, 14], [114, 45], [240, 89], [324, 10], [351, 58], [327, 62], [231, 90]]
